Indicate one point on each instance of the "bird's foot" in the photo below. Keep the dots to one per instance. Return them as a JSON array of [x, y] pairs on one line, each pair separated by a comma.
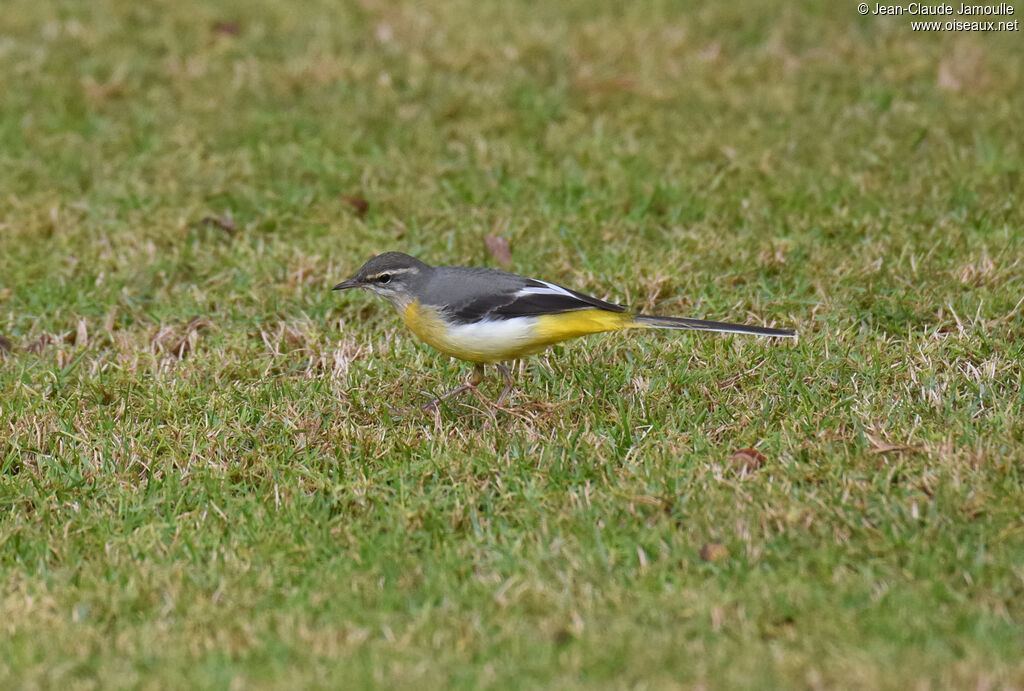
[[434, 404]]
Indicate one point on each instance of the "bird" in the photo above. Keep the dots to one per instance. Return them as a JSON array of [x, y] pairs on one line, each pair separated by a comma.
[[485, 316]]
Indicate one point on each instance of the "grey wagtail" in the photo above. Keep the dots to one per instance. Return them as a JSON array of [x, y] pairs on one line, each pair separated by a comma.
[[486, 317]]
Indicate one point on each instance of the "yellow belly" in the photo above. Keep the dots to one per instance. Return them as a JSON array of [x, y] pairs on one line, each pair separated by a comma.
[[507, 339]]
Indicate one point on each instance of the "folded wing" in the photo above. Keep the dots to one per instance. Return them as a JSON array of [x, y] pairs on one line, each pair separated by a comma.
[[531, 299]]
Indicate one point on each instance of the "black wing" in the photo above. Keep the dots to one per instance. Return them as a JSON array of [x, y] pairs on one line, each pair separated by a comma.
[[532, 299]]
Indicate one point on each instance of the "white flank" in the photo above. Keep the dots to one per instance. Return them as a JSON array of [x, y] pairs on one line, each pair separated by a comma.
[[492, 339]]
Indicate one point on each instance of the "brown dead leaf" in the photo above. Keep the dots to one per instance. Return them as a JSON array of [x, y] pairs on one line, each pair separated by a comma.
[[360, 205], [747, 460], [713, 551], [222, 222], [225, 28], [5, 346], [499, 249]]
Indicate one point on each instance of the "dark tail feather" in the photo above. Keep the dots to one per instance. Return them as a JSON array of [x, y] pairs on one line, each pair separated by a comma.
[[705, 325]]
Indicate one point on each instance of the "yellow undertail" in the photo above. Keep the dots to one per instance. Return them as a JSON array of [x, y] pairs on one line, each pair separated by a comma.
[[554, 328]]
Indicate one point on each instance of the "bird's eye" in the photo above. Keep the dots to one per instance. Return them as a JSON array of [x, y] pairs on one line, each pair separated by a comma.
[[384, 278]]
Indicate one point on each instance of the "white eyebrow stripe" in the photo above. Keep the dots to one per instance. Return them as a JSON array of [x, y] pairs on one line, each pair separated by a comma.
[[390, 272], [546, 289]]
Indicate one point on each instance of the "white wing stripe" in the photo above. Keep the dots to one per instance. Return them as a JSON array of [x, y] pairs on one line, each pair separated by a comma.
[[547, 289]]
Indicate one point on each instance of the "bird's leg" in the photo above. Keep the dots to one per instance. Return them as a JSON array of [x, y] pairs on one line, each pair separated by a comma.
[[474, 380], [507, 377]]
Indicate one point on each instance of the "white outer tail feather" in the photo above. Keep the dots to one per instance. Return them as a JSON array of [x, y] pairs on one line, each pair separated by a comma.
[[706, 325]]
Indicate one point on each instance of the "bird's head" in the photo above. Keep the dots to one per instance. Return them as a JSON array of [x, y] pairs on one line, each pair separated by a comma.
[[393, 276]]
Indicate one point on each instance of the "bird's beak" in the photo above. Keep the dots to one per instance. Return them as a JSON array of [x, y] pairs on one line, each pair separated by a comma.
[[345, 285]]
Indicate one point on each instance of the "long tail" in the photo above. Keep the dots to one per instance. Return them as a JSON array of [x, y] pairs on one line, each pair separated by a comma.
[[705, 325]]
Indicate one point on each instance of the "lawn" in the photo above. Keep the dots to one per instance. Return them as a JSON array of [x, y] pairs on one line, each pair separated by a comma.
[[202, 483]]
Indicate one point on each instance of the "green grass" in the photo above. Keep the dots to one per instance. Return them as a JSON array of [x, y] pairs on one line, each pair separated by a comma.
[[249, 515]]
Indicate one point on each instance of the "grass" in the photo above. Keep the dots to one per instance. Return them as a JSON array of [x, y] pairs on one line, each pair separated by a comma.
[[200, 481]]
